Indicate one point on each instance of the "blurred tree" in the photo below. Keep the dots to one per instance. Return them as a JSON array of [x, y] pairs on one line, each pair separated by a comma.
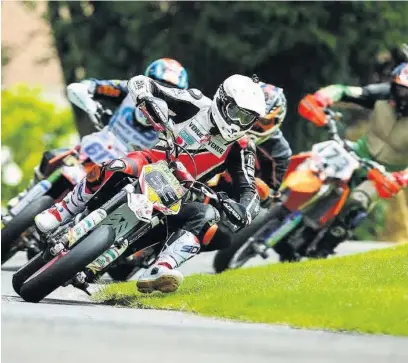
[[297, 45], [29, 126], [5, 58]]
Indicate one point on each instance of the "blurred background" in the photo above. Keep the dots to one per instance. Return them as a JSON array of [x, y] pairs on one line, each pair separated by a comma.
[[299, 46]]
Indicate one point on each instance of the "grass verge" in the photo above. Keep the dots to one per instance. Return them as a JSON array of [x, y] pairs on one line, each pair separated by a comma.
[[365, 293]]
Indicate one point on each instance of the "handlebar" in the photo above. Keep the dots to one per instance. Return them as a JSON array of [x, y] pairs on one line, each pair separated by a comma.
[[206, 190], [312, 110], [161, 127], [332, 118]]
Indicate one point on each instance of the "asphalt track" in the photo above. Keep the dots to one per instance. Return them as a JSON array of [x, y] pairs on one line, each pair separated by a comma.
[[66, 327]]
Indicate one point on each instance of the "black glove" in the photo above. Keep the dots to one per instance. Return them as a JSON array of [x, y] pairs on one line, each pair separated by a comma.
[[101, 117], [156, 107], [235, 212]]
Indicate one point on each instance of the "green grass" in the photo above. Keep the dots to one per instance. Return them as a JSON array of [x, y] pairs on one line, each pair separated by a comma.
[[365, 293]]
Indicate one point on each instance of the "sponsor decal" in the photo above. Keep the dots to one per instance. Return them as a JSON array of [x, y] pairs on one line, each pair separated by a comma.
[[195, 93], [84, 226], [232, 211], [211, 143], [216, 146], [190, 249], [200, 134], [187, 138], [251, 161]]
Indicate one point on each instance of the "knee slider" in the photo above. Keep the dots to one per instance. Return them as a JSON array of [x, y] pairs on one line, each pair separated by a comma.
[[96, 175], [210, 228]]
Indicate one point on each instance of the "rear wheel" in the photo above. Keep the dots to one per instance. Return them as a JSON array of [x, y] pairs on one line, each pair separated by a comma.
[[64, 267], [20, 223], [241, 251]]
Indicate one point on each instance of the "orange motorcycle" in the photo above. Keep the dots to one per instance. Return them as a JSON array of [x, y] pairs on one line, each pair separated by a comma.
[[314, 191]]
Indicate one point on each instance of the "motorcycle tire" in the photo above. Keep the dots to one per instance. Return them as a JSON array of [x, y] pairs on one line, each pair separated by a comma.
[[223, 258], [12, 230], [26, 271], [62, 268]]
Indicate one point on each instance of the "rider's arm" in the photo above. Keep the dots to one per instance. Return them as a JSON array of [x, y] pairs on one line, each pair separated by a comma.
[[114, 89], [82, 94], [184, 103], [274, 155], [241, 166], [364, 96]]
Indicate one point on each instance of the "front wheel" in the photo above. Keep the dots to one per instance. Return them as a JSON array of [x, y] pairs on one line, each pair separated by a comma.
[[64, 267], [26, 271], [20, 223], [241, 249]]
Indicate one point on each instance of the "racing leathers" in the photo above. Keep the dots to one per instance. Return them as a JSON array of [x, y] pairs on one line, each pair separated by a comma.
[[273, 150], [386, 142], [194, 130], [273, 156]]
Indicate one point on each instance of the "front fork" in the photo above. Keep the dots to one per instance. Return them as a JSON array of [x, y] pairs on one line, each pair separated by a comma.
[[269, 235], [82, 228]]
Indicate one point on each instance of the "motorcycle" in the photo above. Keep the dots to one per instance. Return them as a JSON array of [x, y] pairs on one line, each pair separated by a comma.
[[119, 220], [63, 169], [314, 191]]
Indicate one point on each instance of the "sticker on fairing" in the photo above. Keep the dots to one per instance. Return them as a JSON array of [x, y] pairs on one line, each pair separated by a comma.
[[214, 144], [75, 233], [140, 205]]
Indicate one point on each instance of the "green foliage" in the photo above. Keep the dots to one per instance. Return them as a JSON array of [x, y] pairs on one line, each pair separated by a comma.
[[300, 46], [29, 126], [365, 293]]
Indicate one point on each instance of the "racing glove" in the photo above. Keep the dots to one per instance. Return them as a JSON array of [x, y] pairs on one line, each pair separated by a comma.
[[387, 187], [78, 94], [235, 212], [322, 99], [99, 116], [401, 177]]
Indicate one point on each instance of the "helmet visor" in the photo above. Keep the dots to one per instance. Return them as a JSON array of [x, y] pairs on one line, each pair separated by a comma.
[[239, 115]]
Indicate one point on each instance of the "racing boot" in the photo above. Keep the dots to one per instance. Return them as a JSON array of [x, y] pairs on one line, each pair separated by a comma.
[[73, 203], [162, 275]]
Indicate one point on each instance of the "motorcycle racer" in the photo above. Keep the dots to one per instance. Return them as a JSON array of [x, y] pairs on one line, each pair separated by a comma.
[[127, 123], [209, 130], [273, 150], [385, 142]]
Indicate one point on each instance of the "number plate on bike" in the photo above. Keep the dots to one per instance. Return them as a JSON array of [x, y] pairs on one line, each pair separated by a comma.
[[102, 146], [161, 187], [339, 163]]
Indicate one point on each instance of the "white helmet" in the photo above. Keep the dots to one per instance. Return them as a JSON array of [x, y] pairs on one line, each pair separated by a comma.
[[237, 104]]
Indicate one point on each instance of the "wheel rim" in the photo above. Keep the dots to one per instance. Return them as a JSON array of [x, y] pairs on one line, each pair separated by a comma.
[[243, 255]]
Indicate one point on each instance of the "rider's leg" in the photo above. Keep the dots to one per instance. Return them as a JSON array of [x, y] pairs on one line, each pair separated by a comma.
[[75, 201], [361, 200], [197, 224]]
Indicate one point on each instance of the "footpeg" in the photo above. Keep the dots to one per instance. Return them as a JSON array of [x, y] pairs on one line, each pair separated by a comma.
[[261, 250], [79, 282]]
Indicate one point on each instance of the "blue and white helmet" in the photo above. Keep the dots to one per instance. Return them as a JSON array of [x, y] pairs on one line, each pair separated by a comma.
[[168, 72]]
